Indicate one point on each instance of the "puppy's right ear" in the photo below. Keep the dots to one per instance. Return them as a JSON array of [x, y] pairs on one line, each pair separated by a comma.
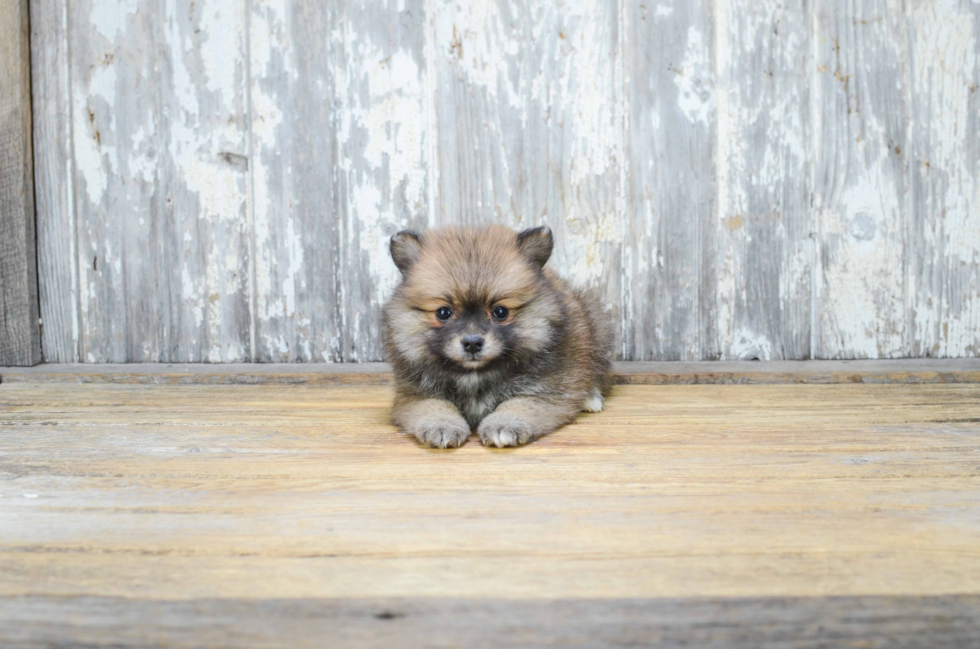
[[406, 248], [536, 244]]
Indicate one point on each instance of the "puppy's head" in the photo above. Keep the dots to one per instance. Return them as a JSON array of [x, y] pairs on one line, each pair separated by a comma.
[[471, 298]]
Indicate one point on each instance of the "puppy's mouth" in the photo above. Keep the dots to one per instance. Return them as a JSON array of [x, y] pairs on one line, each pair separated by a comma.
[[474, 363]]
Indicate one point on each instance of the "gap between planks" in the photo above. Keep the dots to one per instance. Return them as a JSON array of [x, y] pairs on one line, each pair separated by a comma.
[[962, 370]]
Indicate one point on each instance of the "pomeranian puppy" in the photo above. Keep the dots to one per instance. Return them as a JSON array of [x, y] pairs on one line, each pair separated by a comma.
[[482, 336]]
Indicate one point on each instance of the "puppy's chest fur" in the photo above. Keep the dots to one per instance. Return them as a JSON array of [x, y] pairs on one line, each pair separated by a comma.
[[477, 394]]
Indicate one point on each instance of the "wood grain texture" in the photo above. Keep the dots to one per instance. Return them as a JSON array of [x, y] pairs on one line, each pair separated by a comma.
[[575, 140], [739, 180], [119, 498], [340, 165], [529, 119], [944, 232], [297, 219], [671, 95], [963, 370], [384, 182], [479, 69], [860, 179], [788, 623], [20, 335], [756, 293], [159, 118], [54, 178]]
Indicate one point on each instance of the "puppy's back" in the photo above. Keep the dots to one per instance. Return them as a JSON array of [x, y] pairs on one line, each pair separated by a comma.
[[590, 332]]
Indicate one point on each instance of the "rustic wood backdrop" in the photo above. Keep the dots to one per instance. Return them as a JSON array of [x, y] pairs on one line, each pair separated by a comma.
[[217, 181], [20, 340]]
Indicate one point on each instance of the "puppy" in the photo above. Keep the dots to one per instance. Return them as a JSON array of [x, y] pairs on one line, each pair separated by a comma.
[[482, 336]]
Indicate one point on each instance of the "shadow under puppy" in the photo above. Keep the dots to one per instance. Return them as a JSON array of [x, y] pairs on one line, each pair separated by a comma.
[[481, 335]]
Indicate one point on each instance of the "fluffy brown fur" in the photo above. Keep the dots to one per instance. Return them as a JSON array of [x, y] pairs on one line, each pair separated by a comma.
[[481, 335]]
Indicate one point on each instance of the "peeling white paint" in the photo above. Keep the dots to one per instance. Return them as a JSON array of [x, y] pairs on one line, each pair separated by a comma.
[[945, 81], [95, 159], [579, 94], [142, 162], [860, 192], [760, 302], [109, 18], [383, 90], [749, 346], [269, 38], [482, 44], [520, 113], [696, 96]]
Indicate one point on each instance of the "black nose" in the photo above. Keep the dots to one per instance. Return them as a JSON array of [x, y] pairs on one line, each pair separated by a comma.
[[473, 343]]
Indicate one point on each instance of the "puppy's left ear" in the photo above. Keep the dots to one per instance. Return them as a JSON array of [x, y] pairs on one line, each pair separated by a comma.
[[406, 248], [536, 244]]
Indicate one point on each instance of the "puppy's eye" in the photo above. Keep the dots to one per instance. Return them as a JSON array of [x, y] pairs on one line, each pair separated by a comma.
[[500, 313], [444, 313]]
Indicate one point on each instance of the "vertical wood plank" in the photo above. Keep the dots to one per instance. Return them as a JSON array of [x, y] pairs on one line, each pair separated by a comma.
[[756, 294], [53, 179], [20, 336], [860, 178], [944, 238], [205, 103], [158, 125], [381, 68], [338, 96], [116, 87], [480, 66], [530, 119], [575, 140], [293, 175], [671, 100]]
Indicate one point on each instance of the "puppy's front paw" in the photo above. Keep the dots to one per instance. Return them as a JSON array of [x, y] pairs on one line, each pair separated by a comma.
[[502, 429], [442, 433], [594, 402]]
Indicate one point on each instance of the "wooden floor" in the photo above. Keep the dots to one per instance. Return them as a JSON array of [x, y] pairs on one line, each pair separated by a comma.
[[270, 515]]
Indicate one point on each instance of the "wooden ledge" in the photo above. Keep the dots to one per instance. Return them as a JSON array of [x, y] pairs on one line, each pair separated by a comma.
[[962, 370]]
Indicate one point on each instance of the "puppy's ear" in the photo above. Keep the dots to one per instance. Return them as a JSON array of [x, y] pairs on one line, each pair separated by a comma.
[[536, 244], [405, 247]]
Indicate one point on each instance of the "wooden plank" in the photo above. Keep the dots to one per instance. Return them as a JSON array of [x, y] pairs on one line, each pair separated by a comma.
[[529, 124], [144, 494], [944, 236], [671, 99], [807, 372], [57, 257], [574, 66], [380, 63], [340, 165], [295, 214], [231, 179], [927, 622], [756, 293], [159, 111], [205, 373], [480, 69], [964, 370], [860, 178], [20, 335]]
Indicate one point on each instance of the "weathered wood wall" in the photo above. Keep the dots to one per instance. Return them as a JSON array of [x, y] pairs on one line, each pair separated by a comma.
[[768, 179], [20, 335]]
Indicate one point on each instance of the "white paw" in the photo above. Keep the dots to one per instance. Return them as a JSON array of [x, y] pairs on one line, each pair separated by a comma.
[[501, 430], [442, 434], [594, 402]]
